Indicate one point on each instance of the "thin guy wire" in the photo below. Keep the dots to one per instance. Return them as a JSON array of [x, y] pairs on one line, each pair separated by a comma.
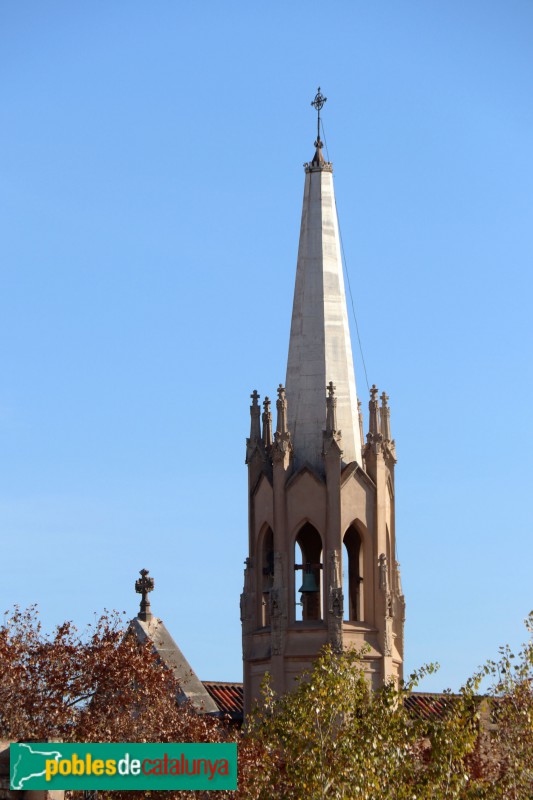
[[324, 135], [351, 298], [347, 273]]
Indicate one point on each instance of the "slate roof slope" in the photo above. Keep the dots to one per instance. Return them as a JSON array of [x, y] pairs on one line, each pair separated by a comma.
[[170, 654]]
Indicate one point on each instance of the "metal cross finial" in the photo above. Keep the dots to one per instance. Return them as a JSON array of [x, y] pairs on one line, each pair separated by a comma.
[[318, 103], [143, 585]]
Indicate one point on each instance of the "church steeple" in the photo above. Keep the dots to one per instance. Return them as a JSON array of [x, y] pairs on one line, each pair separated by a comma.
[[320, 348], [322, 541]]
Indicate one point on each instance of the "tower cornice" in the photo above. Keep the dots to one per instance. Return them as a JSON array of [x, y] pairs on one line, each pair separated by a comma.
[[317, 165]]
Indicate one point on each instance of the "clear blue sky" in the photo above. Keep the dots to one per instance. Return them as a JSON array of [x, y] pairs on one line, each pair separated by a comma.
[[150, 203]]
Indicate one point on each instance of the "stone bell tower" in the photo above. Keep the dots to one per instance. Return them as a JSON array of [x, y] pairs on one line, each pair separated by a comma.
[[322, 556]]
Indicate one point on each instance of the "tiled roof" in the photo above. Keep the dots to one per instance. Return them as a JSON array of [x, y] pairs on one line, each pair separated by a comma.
[[228, 697], [428, 706]]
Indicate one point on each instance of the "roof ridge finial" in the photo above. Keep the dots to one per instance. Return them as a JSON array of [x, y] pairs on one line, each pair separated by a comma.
[[143, 585], [318, 103]]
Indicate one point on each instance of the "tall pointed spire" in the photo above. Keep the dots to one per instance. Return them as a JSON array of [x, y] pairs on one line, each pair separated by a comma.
[[320, 348]]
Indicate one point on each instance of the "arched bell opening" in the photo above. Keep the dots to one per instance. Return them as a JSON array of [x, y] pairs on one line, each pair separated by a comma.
[[267, 575], [308, 574], [352, 575]]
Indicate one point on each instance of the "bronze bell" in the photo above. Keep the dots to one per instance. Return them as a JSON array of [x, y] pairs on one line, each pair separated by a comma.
[[309, 584]]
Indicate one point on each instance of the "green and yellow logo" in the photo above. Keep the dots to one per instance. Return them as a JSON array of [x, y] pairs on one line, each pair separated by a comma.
[[123, 766]]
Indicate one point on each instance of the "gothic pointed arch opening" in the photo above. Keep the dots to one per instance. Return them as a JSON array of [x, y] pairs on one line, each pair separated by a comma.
[[308, 585], [266, 575], [352, 574]]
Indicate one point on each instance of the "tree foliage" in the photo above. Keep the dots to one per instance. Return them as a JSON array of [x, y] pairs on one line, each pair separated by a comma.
[[507, 750], [334, 738], [330, 738], [101, 685]]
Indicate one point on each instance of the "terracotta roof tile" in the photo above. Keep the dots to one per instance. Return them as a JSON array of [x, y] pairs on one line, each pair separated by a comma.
[[428, 706], [229, 699], [227, 696]]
